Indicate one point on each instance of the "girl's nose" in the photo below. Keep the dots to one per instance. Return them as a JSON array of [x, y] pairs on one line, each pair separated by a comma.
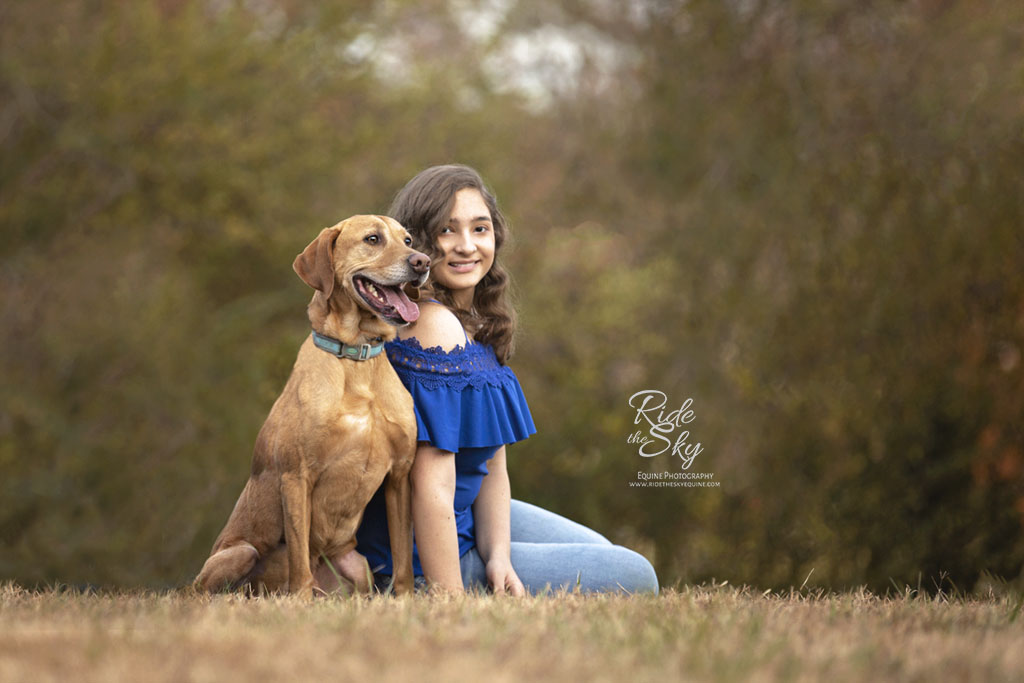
[[464, 244]]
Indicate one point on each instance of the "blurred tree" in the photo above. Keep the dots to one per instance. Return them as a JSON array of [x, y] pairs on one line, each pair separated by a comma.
[[830, 197], [162, 164]]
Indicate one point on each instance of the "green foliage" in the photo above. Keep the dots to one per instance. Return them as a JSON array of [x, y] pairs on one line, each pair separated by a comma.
[[841, 201], [805, 218], [160, 171]]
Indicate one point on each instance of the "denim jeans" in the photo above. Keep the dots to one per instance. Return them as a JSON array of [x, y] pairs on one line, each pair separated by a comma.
[[552, 552]]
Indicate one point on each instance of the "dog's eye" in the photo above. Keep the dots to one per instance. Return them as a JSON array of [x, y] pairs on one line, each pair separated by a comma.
[[408, 241], [371, 239]]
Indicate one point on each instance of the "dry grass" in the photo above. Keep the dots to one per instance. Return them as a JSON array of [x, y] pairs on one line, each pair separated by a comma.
[[715, 633]]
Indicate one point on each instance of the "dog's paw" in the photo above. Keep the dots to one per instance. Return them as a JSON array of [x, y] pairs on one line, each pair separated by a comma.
[[303, 591]]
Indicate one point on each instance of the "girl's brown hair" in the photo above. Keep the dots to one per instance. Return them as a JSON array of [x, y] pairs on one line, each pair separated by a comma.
[[424, 206]]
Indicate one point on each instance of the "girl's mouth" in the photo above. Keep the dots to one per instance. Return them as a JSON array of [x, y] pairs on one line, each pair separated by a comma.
[[462, 266]]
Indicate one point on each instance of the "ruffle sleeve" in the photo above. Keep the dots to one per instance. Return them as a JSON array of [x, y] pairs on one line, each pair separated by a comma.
[[464, 398]]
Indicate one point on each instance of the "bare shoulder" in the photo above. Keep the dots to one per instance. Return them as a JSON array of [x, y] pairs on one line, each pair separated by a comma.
[[437, 326]]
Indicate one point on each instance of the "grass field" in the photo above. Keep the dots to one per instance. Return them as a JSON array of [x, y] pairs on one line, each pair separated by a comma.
[[708, 633]]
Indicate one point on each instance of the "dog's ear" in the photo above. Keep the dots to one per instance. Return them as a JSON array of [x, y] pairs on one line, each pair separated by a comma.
[[315, 265]]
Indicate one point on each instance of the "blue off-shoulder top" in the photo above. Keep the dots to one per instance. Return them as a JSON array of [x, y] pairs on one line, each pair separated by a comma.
[[467, 403]]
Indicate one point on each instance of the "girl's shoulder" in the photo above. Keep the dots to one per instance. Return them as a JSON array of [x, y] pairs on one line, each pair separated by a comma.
[[435, 351], [437, 327]]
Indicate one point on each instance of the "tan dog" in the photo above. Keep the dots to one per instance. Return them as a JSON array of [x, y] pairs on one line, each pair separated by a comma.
[[339, 427]]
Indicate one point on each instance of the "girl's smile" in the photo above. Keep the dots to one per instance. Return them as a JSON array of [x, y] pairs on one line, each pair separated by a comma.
[[463, 266]]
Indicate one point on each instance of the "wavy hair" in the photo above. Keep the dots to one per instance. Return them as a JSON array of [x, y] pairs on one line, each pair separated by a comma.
[[424, 206]]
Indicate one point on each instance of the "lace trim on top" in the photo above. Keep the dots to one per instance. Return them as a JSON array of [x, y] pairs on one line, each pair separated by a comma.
[[472, 365]]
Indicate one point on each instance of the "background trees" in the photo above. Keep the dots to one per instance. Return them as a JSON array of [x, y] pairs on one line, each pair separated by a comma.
[[806, 218]]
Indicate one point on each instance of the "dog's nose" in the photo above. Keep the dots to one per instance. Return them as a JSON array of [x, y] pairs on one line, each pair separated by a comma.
[[419, 262]]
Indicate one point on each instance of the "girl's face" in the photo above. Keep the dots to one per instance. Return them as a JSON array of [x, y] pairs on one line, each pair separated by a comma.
[[467, 242]]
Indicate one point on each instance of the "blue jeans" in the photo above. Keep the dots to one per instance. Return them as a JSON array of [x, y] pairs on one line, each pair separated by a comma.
[[552, 552]]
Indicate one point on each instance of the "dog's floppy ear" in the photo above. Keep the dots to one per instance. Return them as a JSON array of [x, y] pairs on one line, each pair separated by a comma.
[[315, 265]]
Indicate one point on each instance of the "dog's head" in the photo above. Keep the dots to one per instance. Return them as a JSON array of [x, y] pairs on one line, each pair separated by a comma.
[[368, 259]]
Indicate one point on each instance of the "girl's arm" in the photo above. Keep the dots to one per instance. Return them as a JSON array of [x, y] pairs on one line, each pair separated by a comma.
[[433, 470], [433, 516], [493, 534]]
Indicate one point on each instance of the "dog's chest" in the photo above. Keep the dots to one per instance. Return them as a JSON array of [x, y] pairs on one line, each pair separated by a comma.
[[376, 420], [365, 445], [356, 418]]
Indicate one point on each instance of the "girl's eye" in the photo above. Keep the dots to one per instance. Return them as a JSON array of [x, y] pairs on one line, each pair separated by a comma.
[[482, 228], [371, 239], [445, 230]]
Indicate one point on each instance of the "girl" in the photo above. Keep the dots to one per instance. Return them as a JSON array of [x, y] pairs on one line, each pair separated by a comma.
[[469, 406]]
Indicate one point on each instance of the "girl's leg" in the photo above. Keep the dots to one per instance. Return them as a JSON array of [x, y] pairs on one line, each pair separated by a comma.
[[531, 524], [593, 567], [552, 552], [474, 573]]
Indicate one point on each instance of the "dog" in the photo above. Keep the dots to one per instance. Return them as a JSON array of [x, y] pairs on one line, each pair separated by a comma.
[[343, 423]]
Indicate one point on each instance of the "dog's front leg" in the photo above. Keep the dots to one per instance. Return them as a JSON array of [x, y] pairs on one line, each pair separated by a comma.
[[398, 498], [295, 499]]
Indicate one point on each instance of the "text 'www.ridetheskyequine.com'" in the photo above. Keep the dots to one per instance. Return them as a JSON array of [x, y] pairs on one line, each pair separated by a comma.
[[698, 480]]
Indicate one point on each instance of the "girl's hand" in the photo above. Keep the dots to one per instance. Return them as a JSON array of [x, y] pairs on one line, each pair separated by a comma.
[[503, 578]]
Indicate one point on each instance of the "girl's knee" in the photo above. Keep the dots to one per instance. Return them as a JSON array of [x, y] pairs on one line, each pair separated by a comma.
[[637, 572]]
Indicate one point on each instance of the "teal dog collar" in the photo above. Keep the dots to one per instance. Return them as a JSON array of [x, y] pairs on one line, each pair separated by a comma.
[[350, 351]]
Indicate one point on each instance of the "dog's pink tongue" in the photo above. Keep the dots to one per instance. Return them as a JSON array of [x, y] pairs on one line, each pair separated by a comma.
[[409, 311]]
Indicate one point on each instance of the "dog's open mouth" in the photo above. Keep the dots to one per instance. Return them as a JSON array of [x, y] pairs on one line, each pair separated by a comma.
[[388, 301]]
